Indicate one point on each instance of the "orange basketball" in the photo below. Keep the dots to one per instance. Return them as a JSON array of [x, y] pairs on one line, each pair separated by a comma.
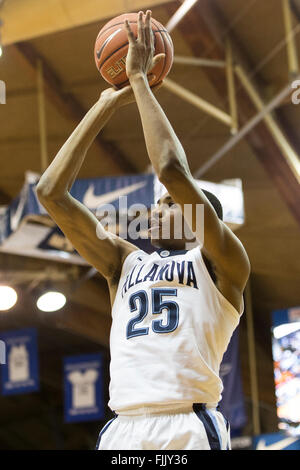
[[111, 49]]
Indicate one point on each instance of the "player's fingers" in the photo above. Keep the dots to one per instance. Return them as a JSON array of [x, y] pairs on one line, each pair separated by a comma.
[[151, 78], [157, 86], [148, 28], [131, 37], [141, 28], [152, 38], [157, 59]]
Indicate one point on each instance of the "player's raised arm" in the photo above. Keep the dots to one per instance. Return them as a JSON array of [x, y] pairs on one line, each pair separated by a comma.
[[168, 158], [107, 251]]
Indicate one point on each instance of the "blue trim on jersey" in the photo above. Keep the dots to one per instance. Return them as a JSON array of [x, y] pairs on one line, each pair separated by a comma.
[[103, 431], [213, 418], [171, 252], [228, 432], [212, 434]]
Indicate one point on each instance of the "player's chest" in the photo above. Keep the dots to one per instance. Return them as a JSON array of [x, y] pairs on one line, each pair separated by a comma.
[[167, 273]]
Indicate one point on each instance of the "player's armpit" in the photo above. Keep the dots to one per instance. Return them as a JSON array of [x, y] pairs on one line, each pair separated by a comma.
[[103, 250]]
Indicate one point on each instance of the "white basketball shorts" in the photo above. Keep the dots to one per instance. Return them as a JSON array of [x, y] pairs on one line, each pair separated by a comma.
[[195, 427]]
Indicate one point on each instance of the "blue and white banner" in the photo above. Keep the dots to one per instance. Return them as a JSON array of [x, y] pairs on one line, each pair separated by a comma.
[[83, 386], [286, 360], [26, 229], [20, 372], [94, 193], [276, 441], [232, 403]]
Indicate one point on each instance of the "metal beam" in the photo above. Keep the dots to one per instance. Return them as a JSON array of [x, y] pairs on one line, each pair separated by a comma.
[[197, 61], [248, 127], [204, 31], [197, 101], [67, 103], [287, 150], [290, 38], [180, 14], [42, 116], [231, 88], [17, 276]]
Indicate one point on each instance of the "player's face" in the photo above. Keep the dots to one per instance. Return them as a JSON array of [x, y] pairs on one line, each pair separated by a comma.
[[167, 225]]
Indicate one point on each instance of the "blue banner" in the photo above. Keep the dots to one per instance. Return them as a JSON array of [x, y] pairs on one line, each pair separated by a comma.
[[5, 229], [20, 372], [232, 403], [83, 387], [287, 315], [276, 441], [95, 193], [286, 360]]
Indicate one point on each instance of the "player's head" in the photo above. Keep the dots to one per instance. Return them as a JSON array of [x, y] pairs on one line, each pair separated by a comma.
[[168, 228]]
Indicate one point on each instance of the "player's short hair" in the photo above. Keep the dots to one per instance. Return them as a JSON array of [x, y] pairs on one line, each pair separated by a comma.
[[214, 202]]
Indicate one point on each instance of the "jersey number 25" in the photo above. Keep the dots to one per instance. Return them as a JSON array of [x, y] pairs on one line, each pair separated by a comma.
[[139, 302]]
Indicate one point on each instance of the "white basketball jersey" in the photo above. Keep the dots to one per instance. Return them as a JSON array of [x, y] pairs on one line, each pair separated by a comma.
[[170, 329]]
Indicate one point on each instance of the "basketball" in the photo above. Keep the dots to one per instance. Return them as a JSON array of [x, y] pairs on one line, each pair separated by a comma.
[[111, 49]]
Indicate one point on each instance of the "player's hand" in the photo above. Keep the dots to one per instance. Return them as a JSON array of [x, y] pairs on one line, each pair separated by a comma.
[[117, 97], [140, 57], [125, 95]]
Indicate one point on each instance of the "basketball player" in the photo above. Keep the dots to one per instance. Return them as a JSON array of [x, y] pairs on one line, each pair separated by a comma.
[[174, 311]]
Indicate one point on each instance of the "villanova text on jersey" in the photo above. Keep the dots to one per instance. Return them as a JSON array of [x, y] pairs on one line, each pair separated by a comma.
[[182, 273]]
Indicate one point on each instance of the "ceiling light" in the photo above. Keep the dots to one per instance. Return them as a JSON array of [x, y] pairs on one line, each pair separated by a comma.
[[179, 14], [8, 297], [51, 301]]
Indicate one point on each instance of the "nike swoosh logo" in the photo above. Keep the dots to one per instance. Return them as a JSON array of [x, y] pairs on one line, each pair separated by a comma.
[[261, 445], [107, 40], [92, 201]]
